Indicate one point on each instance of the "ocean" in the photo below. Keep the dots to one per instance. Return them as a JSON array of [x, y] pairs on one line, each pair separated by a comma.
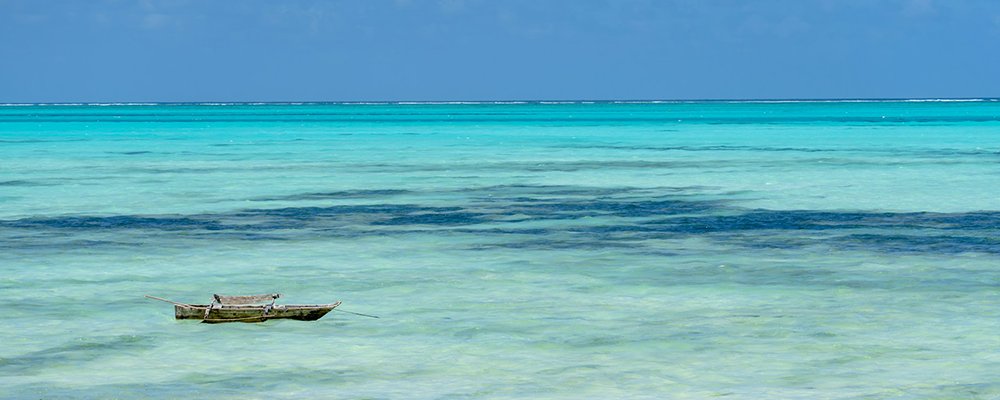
[[618, 250]]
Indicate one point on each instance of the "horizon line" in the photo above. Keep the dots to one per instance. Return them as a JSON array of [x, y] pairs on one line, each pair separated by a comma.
[[512, 101]]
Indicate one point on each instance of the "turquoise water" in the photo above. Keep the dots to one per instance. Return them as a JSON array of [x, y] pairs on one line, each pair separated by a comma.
[[745, 250]]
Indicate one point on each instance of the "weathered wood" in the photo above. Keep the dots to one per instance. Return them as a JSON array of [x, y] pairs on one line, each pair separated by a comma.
[[215, 313], [255, 299]]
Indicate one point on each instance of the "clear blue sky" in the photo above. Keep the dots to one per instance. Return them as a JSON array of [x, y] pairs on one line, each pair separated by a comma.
[[269, 50]]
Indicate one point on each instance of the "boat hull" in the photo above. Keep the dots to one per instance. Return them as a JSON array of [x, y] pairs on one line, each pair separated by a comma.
[[217, 314]]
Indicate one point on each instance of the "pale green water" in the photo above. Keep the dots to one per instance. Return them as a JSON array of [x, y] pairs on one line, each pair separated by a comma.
[[673, 250]]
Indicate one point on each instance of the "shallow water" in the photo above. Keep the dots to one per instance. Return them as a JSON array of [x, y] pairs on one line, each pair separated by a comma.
[[686, 250]]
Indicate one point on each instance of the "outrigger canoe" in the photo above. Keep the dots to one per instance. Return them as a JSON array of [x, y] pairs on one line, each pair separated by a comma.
[[248, 309]]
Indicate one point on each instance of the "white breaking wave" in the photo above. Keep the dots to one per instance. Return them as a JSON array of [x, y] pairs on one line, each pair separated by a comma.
[[947, 100]]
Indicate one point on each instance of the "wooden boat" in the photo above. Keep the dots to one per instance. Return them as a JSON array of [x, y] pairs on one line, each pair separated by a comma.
[[257, 308]]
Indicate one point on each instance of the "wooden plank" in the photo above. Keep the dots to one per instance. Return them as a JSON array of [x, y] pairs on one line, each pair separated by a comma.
[[255, 299], [218, 313]]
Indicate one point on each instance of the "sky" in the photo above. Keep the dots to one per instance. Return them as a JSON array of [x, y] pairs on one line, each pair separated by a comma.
[[437, 50]]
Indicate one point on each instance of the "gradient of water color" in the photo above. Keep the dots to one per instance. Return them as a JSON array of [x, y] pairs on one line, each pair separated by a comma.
[[745, 250]]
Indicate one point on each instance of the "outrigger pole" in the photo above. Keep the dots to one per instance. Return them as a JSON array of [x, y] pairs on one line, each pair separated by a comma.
[[168, 301]]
